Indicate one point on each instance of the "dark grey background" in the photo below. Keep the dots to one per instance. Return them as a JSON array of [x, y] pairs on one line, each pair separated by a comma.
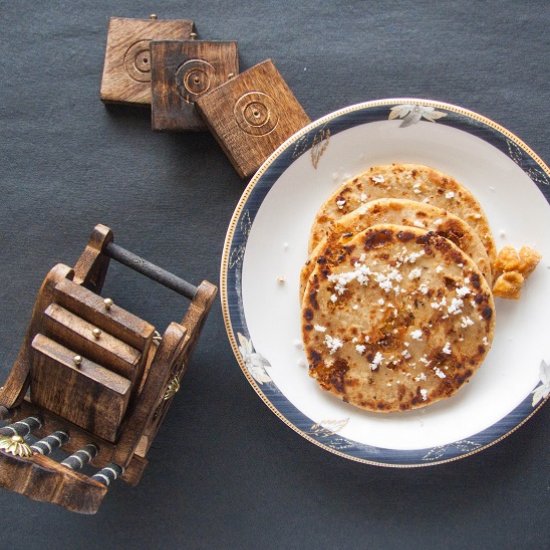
[[224, 471]]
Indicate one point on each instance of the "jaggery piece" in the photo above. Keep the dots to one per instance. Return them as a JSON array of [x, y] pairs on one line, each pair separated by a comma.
[[507, 260], [508, 285], [513, 268], [528, 260]]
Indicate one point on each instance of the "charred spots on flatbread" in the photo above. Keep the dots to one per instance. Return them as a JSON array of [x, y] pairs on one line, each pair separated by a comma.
[[313, 299], [401, 391], [417, 398], [337, 374], [463, 376], [487, 313], [428, 185], [424, 239], [315, 357], [377, 237], [372, 315], [405, 236], [450, 283]]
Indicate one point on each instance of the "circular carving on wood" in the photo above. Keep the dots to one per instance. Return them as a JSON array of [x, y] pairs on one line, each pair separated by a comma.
[[194, 78], [256, 113], [137, 61]]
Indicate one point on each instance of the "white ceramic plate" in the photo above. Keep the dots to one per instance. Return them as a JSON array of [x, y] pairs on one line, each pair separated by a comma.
[[268, 236]]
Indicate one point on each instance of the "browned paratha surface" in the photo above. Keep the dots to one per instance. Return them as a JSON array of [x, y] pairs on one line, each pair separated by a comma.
[[406, 181], [401, 212], [403, 319]]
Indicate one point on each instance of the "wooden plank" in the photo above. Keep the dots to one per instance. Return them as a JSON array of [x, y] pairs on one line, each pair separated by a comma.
[[181, 72], [88, 395], [13, 391], [164, 366], [251, 115], [116, 321], [42, 479], [91, 267], [78, 335], [134, 472], [192, 323], [127, 67]]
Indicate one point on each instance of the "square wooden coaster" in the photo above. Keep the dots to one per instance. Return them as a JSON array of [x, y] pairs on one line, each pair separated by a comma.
[[251, 115], [127, 67], [181, 72]]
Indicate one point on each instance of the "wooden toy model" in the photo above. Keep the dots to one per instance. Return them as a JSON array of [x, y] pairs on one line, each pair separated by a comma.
[[92, 381]]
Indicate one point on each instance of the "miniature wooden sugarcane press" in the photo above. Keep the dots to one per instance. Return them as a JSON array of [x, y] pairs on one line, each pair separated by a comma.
[[92, 381]]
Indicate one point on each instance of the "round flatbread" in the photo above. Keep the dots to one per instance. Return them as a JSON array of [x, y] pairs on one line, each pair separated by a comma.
[[401, 320], [401, 212], [404, 181]]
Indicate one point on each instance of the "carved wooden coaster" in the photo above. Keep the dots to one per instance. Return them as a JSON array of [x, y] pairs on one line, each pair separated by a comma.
[[127, 67], [251, 115], [181, 72], [100, 378]]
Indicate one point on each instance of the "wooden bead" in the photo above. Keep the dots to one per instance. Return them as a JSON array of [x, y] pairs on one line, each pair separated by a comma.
[[251, 115], [127, 67], [182, 71]]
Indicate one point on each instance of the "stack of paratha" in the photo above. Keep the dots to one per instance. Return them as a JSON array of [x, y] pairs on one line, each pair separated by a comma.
[[397, 309]]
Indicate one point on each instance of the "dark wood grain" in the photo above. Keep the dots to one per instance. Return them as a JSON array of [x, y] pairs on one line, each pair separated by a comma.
[[42, 479], [143, 413], [181, 72], [116, 321], [193, 322], [78, 334], [251, 115], [15, 387], [88, 395], [127, 67], [91, 267]]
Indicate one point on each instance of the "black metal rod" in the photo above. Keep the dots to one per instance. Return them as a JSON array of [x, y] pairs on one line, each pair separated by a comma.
[[154, 272]]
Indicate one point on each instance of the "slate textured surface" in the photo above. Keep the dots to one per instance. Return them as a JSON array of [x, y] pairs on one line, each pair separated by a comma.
[[224, 471]]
